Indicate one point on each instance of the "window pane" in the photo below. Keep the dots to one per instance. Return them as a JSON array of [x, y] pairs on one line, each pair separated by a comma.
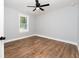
[[23, 23], [23, 19]]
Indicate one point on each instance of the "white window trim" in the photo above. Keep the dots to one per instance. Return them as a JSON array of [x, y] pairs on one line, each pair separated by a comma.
[[27, 30]]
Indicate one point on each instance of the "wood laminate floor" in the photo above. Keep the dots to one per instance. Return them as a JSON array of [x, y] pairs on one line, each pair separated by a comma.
[[38, 47]]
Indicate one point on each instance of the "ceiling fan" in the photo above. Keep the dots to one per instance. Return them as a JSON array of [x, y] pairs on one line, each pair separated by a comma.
[[39, 6]]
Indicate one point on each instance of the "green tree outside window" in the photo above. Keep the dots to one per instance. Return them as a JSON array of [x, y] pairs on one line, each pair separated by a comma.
[[23, 22]]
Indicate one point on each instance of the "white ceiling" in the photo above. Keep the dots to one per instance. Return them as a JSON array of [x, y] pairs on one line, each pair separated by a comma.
[[54, 4]]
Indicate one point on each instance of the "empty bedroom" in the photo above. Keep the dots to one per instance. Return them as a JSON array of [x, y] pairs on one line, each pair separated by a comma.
[[41, 28]]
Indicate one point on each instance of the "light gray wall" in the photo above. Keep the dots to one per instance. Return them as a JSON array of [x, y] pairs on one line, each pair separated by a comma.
[[78, 25], [12, 24], [78, 31], [60, 24]]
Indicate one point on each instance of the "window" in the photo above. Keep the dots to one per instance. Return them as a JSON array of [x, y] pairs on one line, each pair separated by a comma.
[[23, 23]]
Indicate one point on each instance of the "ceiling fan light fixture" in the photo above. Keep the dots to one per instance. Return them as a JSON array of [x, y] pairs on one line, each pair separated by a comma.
[[37, 8]]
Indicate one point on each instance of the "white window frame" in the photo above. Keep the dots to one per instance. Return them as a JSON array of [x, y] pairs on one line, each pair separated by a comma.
[[26, 30]]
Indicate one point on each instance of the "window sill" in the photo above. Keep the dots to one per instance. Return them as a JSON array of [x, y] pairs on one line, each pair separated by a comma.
[[23, 31]]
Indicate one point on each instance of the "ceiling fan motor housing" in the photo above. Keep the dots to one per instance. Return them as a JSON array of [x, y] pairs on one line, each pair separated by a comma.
[[37, 4]]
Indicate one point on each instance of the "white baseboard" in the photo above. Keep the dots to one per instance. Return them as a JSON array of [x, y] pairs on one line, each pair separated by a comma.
[[57, 39], [40, 36], [10, 40], [78, 45]]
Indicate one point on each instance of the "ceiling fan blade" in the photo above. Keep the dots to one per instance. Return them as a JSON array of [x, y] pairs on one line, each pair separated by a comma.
[[34, 9], [31, 6], [44, 5], [41, 9]]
